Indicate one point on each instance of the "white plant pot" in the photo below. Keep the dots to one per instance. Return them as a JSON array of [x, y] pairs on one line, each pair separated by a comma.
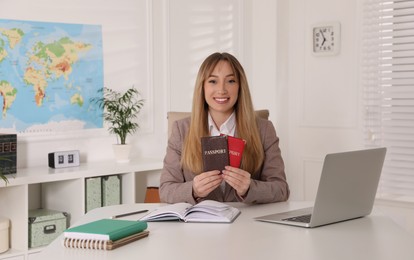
[[122, 152]]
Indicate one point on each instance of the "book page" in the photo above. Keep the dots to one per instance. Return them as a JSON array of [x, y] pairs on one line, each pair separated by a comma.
[[210, 205], [169, 212], [211, 211]]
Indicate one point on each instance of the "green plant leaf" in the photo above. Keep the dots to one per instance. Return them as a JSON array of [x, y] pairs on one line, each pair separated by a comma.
[[120, 110], [2, 176]]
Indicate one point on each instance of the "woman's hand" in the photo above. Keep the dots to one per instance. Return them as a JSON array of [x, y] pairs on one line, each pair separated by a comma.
[[206, 182], [238, 179]]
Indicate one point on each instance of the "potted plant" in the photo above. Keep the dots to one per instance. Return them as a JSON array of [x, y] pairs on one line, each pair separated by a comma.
[[120, 110]]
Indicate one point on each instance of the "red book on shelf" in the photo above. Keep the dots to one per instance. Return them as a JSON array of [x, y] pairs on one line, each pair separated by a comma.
[[236, 147]]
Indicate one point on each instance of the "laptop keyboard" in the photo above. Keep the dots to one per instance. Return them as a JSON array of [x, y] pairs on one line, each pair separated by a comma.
[[303, 218]]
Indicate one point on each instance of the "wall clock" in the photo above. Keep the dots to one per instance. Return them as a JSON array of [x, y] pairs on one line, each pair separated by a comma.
[[326, 38]]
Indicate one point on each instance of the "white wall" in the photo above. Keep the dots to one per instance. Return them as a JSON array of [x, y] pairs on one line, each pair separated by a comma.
[[323, 107], [127, 43], [158, 45], [321, 96]]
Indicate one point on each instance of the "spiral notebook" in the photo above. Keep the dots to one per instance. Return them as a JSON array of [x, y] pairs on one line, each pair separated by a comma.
[[101, 244], [105, 234]]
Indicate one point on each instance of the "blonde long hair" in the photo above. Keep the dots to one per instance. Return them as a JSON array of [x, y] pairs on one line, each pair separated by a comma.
[[246, 125]]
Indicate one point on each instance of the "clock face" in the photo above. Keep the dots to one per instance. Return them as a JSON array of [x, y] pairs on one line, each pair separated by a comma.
[[326, 39]]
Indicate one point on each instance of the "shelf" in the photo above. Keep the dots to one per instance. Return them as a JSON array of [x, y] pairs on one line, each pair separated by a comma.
[[42, 174], [64, 190]]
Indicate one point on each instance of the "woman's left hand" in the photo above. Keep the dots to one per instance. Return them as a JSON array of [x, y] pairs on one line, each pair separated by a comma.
[[238, 179]]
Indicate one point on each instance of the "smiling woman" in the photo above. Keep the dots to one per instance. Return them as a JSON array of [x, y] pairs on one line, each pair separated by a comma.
[[221, 91], [222, 104]]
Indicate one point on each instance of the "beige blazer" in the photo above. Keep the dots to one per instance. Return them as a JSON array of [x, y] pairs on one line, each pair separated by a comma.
[[267, 185]]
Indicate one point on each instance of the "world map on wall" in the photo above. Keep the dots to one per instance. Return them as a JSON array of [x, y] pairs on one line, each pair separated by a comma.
[[48, 74]]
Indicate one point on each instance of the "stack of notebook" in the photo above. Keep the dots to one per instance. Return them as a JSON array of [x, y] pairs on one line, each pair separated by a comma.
[[105, 234]]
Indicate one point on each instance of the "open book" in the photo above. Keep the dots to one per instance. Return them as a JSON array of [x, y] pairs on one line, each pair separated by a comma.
[[205, 211]]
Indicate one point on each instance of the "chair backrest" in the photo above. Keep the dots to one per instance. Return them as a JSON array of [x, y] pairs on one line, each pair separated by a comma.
[[172, 116]]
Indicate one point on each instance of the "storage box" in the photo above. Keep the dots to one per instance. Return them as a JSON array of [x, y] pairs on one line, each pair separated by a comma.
[[111, 190], [4, 234], [93, 193], [45, 225]]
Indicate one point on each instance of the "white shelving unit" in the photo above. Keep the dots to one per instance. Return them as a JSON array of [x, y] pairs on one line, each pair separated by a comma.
[[63, 190]]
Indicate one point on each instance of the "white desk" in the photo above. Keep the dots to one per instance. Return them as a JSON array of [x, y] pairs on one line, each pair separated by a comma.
[[373, 237]]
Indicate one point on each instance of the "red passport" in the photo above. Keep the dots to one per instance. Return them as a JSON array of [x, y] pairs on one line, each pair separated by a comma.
[[236, 147]]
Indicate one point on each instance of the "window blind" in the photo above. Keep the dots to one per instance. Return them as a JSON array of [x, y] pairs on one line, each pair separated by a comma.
[[388, 91]]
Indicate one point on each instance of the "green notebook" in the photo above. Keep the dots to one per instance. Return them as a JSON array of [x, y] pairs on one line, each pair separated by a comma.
[[106, 229]]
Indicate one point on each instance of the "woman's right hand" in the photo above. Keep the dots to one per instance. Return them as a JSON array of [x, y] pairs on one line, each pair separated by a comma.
[[206, 182]]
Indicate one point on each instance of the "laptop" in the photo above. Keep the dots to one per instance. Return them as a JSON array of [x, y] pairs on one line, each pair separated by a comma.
[[347, 189]]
